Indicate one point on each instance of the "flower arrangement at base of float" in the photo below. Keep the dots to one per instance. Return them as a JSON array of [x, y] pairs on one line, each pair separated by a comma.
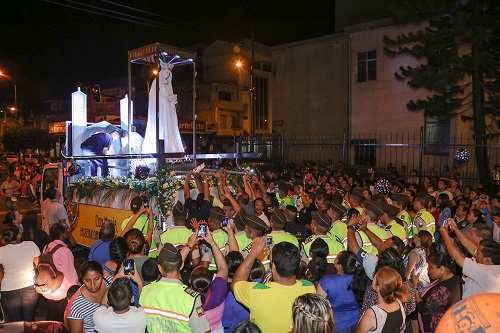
[[162, 187]]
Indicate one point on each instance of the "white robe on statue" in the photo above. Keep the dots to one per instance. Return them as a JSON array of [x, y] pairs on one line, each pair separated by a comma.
[[168, 125]]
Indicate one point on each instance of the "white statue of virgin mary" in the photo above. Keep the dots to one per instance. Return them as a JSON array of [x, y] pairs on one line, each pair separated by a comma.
[[168, 125]]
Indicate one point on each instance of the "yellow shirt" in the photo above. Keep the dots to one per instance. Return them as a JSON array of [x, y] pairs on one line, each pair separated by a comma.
[[270, 304]]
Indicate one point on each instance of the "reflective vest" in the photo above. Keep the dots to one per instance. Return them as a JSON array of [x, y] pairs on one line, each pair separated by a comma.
[[177, 236], [338, 231], [283, 236], [153, 249], [286, 201], [406, 218], [168, 306], [242, 240], [346, 204], [220, 238], [397, 230], [334, 247], [428, 218], [366, 243]]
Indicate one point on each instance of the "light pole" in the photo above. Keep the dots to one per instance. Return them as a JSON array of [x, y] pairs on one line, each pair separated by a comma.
[[15, 88], [239, 64]]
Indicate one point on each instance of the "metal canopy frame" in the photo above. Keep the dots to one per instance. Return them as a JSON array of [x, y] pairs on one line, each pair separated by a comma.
[[153, 55]]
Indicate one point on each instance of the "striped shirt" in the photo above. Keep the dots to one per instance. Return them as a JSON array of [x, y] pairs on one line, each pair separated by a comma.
[[83, 309]]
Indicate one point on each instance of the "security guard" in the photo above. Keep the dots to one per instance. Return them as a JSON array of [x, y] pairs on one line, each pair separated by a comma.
[[402, 201], [283, 198], [371, 214], [170, 305], [338, 231], [255, 227], [240, 234], [179, 234], [278, 222], [356, 198], [294, 225], [219, 236], [320, 225], [392, 227], [424, 220]]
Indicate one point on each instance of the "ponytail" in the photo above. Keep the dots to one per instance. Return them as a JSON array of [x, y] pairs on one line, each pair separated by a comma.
[[358, 284]]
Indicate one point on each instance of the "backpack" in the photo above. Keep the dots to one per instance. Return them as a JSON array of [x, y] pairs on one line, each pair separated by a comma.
[[48, 279]]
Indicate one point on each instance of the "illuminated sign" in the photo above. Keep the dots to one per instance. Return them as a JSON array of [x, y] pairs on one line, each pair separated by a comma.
[[187, 126], [57, 127]]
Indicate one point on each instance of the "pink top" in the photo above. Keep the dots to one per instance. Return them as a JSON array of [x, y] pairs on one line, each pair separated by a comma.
[[65, 263], [214, 303]]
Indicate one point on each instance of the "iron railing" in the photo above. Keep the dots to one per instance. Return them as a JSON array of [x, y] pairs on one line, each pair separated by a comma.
[[404, 151]]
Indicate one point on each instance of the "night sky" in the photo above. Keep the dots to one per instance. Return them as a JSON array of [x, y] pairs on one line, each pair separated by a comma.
[[48, 47]]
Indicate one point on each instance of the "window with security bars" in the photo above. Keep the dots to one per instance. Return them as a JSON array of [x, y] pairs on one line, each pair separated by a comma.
[[436, 134], [367, 66]]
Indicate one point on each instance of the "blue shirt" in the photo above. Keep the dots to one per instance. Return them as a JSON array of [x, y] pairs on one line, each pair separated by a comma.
[[99, 251], [234, 312], [344, 305]]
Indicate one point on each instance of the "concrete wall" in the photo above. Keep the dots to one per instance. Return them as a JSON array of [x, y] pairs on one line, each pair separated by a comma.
[[310, 87]]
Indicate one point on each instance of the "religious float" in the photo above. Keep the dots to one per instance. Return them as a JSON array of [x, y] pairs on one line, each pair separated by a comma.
[[137, 166]]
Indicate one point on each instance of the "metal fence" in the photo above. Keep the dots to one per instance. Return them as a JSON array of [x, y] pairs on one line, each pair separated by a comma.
[[406, 153]]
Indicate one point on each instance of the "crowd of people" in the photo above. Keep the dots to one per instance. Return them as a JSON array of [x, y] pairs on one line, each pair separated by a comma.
[[21, 180], [315, 251]]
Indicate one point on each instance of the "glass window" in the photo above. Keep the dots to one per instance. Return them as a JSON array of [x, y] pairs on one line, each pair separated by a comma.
[[367, 66], [224, 96]]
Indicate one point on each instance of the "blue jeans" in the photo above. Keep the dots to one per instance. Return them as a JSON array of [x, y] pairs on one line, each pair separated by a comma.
[[95, 163], [20, 304], [11, 205]]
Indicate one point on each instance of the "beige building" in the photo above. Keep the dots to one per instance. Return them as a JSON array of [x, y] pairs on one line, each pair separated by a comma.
[[231, 87]]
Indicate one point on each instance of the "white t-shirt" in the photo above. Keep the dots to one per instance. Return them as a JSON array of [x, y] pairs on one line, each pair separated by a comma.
[[481, 279], [264, 218], [55, 212], [17, 262], [107, 321], [369, 262]]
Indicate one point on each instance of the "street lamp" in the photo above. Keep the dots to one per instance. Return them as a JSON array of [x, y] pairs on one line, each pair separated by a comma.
[[239, 65], [15, 88]]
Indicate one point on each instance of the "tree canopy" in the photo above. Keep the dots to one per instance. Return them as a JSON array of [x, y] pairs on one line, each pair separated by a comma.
[[459, 49], [18, 138]]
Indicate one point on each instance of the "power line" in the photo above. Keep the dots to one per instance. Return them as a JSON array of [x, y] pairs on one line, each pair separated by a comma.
[[180, 27]]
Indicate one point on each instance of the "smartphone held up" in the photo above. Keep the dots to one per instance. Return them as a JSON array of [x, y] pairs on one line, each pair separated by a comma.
[[202, 229], [128, 266]]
